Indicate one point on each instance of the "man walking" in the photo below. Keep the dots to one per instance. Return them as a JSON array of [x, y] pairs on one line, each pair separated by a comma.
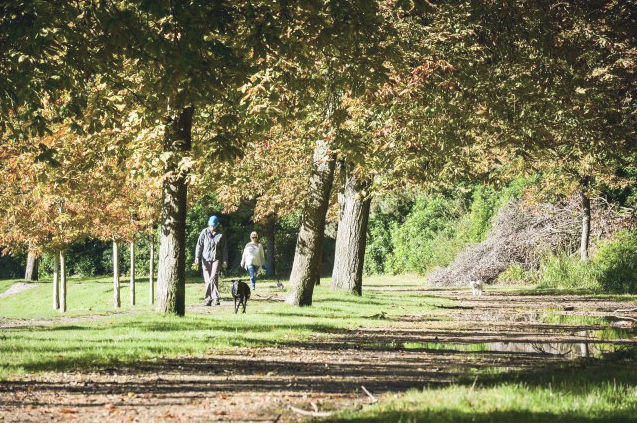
[[212, 250]]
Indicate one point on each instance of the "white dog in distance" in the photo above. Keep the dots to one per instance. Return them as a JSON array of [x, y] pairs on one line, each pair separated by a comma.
[[476, 286]]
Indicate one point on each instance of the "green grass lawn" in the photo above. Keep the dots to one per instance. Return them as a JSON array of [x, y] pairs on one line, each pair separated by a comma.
[[588, 390], [104, 339]]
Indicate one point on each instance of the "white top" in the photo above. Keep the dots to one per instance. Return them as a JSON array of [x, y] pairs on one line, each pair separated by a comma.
[[253, 255]]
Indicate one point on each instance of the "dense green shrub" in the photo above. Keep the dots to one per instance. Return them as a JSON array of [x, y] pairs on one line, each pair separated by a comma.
[[379, 246], [12, 267], [477, 224], [416, 242], [287, 230], [91, 257], [564, 271], [429, 230], [616, 263], [517, 274]]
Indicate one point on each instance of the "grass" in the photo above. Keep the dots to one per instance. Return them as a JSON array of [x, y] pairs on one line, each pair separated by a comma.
[[99, 338], [586, 391], [95, 338]]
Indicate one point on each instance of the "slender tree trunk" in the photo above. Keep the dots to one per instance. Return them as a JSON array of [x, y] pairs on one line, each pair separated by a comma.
[[351, 237], [56, 283], [117, 300], [307, 255], [586, 225], [269, 232], [62, 281], [31, 273], [151, 266], [132, 273], [171, 278]]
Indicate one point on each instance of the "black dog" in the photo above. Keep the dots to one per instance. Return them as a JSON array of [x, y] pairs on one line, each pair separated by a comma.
[[240, 293]]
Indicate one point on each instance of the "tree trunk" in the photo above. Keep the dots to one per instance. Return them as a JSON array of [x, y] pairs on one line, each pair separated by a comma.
[[586, 225], [171, 278], [31, 273], [132, 273], [269, 232], [351, 237], [307, 255], [117, 301], [62, 281], [56, 283], [151, 266]]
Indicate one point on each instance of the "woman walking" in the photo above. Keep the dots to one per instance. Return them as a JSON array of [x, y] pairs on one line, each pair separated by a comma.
[[253, 258]]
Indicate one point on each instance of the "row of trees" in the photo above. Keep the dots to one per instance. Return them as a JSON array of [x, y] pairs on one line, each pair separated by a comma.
[[115, 115]]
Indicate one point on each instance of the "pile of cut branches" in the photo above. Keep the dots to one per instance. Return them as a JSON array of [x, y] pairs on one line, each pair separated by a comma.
[[522, 234]]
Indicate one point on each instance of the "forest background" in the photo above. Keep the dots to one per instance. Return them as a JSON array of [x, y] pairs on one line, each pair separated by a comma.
[[407, 234], [117, 116]]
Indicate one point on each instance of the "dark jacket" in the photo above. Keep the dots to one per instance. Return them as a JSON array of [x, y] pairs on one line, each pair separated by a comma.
[[211, 247]]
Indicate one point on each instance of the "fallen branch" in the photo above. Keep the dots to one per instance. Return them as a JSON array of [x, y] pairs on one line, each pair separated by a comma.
[[374, 399], [456, 307], [625, 310], [308, 413], [631, 319]]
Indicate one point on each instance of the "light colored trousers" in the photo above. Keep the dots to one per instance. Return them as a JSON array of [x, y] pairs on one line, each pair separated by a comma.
[[211, 279]]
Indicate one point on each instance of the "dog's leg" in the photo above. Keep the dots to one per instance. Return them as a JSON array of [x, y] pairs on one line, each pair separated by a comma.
[[236, 306], [245, 304]]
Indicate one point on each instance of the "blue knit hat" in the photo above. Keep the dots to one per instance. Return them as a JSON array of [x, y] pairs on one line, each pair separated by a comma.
[[213, 221]]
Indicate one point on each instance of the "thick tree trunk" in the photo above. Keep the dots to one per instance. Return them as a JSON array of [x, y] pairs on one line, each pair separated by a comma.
[[117, 300], [171, 278], [351, 237], [132, 273], [31, 273], [62, 281], [151, 267], [56, 283], [586, 225], [269, 234], [307, 256]]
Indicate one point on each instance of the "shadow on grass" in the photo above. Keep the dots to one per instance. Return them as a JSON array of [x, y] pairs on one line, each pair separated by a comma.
[[609, 380], [423, 414]]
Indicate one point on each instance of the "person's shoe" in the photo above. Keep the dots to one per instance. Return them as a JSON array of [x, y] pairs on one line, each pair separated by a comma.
[[217, 303], [208, 303]]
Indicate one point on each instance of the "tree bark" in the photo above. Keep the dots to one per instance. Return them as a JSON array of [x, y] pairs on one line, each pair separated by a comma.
[[117, 301], [307, 255], [62, 281], [269, 234], [151, 266], [31, 273], [56, 283], [132, 273], [586, 225], [171, 278], [351, 236]]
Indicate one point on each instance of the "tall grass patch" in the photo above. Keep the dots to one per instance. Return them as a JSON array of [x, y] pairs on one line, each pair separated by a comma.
[[616, 263], [564, 271]]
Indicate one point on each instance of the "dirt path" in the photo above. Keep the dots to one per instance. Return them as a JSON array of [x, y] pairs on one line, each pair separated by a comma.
[[328, 372], [17, 287]]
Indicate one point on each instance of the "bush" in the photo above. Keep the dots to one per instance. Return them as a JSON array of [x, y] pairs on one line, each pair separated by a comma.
[[616, 263], [428, 231], [517, 274], [12, 267], [416, 242], [287, 231], [567, 272], [483, 207]]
